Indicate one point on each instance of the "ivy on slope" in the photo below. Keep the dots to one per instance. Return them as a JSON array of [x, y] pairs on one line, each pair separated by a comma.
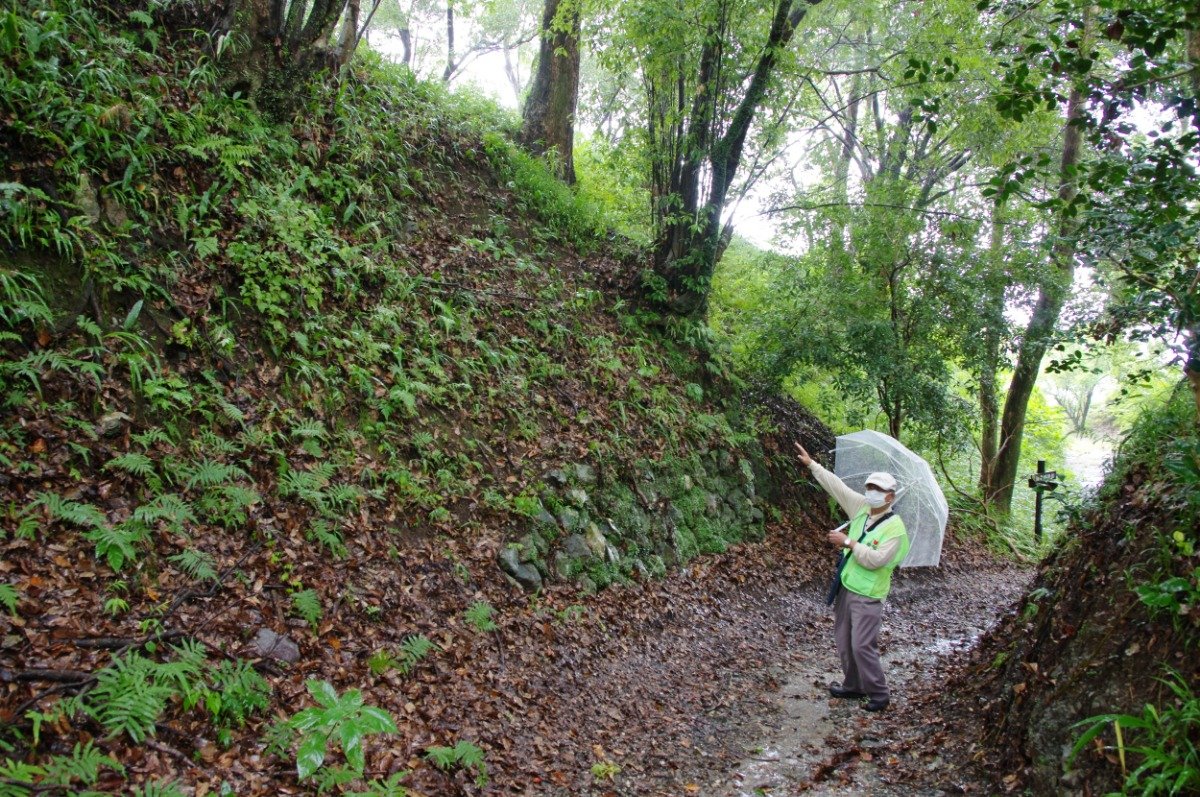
[[274, 376]]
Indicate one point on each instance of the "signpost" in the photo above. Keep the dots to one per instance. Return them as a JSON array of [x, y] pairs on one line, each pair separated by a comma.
[[1041, 482]]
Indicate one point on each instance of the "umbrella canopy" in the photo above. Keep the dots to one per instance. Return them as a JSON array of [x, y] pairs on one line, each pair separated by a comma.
[[919, 500]]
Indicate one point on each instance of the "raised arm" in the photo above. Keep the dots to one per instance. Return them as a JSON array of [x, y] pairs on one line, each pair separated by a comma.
[[851, 502]]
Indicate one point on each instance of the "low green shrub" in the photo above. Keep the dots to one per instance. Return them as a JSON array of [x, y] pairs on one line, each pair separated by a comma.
[[1164, 742]]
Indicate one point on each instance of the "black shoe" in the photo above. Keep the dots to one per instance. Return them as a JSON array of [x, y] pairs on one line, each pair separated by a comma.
[[838, 691], [876, 705]]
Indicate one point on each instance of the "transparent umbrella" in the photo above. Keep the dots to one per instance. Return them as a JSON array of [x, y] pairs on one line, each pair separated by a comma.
[[919, 502]]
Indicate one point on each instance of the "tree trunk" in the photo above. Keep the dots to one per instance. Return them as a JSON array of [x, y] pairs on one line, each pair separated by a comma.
[[841, 174], [406, 41], [548, 121], [686, 254], [989, 404], [448, 72], [277, 47], [1191, 368], [1038, 335]]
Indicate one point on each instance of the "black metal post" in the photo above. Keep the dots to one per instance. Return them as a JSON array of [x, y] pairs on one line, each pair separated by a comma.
[[1037, 512]]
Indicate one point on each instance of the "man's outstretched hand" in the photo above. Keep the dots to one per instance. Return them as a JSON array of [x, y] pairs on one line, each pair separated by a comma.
[[805, 459]]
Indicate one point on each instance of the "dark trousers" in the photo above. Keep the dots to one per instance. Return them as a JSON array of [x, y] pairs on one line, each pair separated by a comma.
[[856, 623]]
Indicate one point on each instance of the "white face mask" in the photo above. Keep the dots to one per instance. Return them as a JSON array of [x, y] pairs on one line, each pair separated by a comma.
[[876, 499]]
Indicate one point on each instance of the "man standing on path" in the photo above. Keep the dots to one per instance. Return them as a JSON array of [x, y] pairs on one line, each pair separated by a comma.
[[876, 543]]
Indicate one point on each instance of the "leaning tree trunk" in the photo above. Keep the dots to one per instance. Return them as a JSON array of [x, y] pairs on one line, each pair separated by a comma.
[[1038, 335], [277, 46], [548, 124], [993, 312]]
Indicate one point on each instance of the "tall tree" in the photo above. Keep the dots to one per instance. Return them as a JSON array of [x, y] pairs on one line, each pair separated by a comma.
[[548, 119], [691, 200], [1041, 330]]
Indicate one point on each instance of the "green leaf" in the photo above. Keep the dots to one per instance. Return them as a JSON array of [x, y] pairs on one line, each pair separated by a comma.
[[352, 735], [323, 692], [376, 720], [311, 755], [132, 317], [8, 596]]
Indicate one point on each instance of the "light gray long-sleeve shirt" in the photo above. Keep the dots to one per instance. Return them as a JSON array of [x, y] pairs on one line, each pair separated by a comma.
[[852, 503]]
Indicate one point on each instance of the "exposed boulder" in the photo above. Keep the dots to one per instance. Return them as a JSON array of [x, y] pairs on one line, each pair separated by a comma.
[[523, 573]]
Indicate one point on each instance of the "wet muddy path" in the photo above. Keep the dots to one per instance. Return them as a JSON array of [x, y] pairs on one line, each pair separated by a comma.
[[803, 741], [729, 698]]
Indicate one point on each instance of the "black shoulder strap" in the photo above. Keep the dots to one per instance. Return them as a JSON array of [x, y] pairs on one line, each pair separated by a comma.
[[868, 529]]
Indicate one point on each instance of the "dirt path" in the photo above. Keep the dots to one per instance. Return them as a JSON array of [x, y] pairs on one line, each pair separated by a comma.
[[806, 742], [729, 699]]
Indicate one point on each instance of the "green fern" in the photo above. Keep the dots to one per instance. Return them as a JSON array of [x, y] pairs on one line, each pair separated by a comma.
[[21, 299], [128, 698], [479, 615], [412, 650], [83, 765], [9, 597], [226, 505], [304, 483], [157, 789], [118, 544], [73, 512], [307, 606], [237, 692], [28, 524], [207, 473], [309, 429], [211, 442], [133, 463], [384, 788], [323, 533], [381, 661], [169, 508], [463, 755], [198, 564], [149, 438]]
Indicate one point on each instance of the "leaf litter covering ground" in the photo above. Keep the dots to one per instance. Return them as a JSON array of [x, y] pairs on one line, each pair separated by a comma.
[[686, 684]]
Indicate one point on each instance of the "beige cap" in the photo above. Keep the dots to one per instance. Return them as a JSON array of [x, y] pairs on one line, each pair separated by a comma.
[[883, 480]]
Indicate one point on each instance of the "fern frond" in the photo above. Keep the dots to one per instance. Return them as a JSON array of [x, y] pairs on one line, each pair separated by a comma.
[[8, 597], [479, 615], [307, 605], [150, 437], [313, 429], [157, 789], [198, 564], [118, 544], [232, 412], [323, 533], [238, 497], [83, 764], [208, 473], [212, 442], [127, 698], [412, 650], [168, 507], [242, 692], [132, 462], [70, 511]]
